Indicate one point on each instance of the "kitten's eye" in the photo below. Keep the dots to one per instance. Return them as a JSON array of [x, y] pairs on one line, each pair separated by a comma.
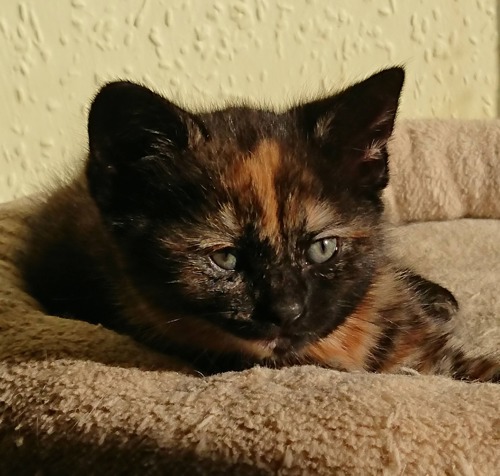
[[225, 259], [322, 250]]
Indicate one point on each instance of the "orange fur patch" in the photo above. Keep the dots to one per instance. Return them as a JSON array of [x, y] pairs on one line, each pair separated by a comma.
[[410, 349], [256, 174], [348, 346]]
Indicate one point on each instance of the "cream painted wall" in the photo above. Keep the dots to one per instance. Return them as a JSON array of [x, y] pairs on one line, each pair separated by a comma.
[[54, 54]]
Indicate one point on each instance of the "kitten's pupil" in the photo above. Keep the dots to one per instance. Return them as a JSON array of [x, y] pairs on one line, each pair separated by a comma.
[[322, 250], [225, 259]]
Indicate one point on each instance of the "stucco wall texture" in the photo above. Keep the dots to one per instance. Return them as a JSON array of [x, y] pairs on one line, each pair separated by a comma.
[[55, 54]]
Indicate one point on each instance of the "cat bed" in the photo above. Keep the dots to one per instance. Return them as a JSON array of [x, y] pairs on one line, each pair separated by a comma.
[[79, 399]]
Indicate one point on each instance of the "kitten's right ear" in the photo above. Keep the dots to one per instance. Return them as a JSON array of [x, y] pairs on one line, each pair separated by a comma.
[[128, 121]]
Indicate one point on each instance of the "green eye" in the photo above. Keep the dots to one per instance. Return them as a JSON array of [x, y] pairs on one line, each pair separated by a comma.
[[322, 250], [225, 259]]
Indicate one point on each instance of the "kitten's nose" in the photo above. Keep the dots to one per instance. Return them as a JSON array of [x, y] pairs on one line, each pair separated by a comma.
[[287, 310], [284, 297]]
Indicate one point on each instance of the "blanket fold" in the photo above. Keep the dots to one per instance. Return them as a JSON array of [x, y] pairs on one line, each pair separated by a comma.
[[444, 169]]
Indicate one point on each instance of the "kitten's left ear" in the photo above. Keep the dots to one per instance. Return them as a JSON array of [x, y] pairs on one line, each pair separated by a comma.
[[139, 143], [354, 126]]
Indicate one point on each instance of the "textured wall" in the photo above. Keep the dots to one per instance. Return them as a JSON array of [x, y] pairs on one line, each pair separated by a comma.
[[54, 54]]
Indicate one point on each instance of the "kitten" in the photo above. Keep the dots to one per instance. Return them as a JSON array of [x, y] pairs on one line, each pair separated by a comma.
[[243, 236]]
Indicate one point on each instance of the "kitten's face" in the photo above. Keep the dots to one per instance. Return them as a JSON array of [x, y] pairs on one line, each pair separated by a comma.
[[264, 224]]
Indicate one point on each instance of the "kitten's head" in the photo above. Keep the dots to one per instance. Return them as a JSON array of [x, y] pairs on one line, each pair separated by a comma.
[[264, 224]]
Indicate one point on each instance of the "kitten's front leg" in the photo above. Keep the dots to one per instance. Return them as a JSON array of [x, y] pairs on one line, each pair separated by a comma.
[[442, 355], [439, 352], [426, 343], [420, 348]]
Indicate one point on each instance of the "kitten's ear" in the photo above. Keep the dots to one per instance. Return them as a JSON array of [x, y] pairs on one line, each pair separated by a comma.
[[128, 122], [355, 125], [135, 137]]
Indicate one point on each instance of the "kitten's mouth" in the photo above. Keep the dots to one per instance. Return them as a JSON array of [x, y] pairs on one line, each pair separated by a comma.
[[270, 340], [282, 345]]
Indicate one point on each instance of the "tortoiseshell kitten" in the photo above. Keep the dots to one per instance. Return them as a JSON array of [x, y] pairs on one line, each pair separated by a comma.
[[244, 236]]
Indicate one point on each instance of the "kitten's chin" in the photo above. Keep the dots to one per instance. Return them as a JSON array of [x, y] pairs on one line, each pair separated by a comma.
[[268, 345], [281, 346]]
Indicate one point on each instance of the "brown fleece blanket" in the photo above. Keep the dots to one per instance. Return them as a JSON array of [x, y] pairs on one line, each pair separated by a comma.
[[79, 399]]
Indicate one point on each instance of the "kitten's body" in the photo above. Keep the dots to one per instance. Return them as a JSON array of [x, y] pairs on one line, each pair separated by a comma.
[[134, 242]]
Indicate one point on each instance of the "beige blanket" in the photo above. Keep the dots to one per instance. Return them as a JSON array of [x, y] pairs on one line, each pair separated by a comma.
[[79, 399]]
